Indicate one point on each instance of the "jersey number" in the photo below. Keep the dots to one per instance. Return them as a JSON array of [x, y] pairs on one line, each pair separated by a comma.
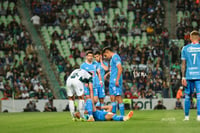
[[194, 58]]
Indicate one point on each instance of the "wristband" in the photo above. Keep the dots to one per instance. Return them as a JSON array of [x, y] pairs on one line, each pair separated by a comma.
[[183, 77]]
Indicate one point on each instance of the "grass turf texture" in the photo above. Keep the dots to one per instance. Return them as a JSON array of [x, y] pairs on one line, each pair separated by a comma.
[[141, 122]]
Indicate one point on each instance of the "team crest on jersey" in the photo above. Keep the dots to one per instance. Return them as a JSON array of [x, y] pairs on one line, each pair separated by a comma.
[[87, 68]]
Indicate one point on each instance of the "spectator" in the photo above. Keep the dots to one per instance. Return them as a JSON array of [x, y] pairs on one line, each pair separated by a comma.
[[178, 104], [38, 87], [36, 20], [31, 107], [159, 106], [179, 94], [49, 106], [97, 10]]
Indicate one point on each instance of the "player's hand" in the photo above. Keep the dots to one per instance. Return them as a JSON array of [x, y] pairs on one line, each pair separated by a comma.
[[100, 58], [117, 83], [184, 82]]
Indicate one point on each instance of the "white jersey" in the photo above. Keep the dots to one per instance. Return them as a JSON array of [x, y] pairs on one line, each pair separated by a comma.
[[76, 80], [81, 75]]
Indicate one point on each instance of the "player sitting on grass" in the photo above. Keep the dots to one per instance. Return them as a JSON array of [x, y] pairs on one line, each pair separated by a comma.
[[104, 114]]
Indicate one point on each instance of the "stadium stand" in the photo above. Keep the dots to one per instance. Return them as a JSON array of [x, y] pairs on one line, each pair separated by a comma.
[[21, 74], [187, 13], [132, 28]]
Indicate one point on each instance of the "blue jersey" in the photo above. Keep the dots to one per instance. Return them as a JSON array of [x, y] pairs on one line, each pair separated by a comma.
[[93, 69], [102, 71], [115, 60], [99, 115], [191, 54]]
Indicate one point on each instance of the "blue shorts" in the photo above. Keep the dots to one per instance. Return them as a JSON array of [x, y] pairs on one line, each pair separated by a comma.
[[191, 84], [99, 115], [87, 91], [115, 90], [101, 92], [95, 92]]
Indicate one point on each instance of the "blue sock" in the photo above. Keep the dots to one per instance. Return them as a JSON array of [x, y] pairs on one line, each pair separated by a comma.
[[187, 105], [117, 118], [198, 103], [114, 105], [121, 109], [88, 106]]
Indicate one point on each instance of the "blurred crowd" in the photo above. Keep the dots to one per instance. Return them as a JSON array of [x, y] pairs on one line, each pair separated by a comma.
[[21, 75]]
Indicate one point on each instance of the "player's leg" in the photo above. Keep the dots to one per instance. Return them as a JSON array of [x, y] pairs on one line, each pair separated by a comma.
[[79, 88], [119, 99], [101, 95], [188, 91], [95, 92], [112, 98], [114, 117], [70, 93], [88, 103], [197, 85]]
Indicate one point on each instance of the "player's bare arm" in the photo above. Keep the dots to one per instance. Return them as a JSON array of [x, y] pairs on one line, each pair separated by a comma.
[[183, 66], [99, 76], [119, 67], [103, 65]]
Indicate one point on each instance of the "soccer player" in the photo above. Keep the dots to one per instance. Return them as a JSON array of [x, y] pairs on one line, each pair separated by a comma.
[[90, 66], [105, 114], [190, 68], [115, 83], [75, 85], [102, 66]]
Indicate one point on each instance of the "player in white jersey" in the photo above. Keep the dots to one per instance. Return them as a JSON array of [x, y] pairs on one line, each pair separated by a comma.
[[190, 57], [75, 85]]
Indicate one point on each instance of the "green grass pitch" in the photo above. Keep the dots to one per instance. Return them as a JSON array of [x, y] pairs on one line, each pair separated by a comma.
[[141, 122]]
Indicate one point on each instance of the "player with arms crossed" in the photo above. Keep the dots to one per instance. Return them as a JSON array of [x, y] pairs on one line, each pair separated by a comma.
[[75, 85], [101, 68], [115, 83], [190, 68]]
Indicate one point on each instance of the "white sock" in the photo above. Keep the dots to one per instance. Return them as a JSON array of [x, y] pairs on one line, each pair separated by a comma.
[[71, 107], [186, 117], [81, 107]]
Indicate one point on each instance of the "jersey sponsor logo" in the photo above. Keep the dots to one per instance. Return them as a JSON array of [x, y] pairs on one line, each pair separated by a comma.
[[194, 73], [193, 49], [193, 68]]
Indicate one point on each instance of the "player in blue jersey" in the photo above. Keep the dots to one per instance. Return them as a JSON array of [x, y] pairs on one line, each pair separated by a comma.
[[115, 83], [190, 68], [91, 66], [104, 114], [102, 66]]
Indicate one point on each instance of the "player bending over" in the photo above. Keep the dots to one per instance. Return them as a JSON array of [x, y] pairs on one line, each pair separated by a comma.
[[75, 85]]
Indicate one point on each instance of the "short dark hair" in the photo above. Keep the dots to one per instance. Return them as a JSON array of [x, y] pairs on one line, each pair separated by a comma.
[[194, 33], [106, 48], [89, 52], [97, 52]]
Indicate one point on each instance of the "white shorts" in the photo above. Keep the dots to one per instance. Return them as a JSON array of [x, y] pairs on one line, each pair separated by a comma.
[[74, 86]]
